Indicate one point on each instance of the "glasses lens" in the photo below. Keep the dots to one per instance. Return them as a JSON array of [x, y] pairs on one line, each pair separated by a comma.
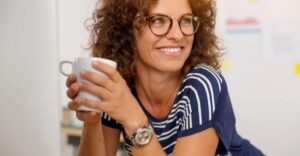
[[189, 24], [159, 25]]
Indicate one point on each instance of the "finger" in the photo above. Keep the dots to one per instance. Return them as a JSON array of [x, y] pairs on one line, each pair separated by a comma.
[[81, 115], [99, 91], [87, 116], [101, 106], [72, 92], [73, 105], [111, 72], [97, 79], [71, 79], [92, 113]]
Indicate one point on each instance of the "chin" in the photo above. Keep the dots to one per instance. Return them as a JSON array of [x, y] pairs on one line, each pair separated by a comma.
[[172, 67]]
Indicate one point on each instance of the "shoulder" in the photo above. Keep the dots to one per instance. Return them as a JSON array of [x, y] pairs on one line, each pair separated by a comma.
[[201, 90], [204, 77]]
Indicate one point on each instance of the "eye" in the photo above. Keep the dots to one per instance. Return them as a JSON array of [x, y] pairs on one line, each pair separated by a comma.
[[186, 20], [158, 21]]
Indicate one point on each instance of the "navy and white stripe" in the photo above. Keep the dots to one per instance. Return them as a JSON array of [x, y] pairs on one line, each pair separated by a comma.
[[194, 106]]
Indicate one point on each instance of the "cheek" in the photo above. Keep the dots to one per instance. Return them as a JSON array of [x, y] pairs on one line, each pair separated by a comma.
[[139, 38], [145, 41], [191, 39], [142, 45]]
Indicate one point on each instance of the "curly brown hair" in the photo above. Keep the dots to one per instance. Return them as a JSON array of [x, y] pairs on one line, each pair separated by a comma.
[[112, 33]]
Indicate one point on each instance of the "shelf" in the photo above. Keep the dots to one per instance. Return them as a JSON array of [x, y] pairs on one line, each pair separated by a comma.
[[70, 131]]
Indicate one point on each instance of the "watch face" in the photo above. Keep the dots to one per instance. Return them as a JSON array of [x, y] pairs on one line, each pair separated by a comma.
[[143, 136]]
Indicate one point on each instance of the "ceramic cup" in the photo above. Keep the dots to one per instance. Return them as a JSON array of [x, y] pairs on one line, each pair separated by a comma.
[[85, 63]]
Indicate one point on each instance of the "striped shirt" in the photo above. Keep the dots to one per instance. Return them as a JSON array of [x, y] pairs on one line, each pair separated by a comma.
[[201, 102]]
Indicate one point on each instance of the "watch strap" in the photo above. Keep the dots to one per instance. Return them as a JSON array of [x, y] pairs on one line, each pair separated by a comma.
[[131, 139]]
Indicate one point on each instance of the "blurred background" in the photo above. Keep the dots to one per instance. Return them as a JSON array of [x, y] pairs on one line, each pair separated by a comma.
[[261, 65]]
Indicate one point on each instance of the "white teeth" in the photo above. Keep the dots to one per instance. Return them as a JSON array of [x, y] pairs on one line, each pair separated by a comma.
[[171, 50]]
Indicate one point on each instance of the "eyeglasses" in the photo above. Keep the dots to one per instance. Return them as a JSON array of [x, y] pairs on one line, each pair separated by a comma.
[[161, 25]]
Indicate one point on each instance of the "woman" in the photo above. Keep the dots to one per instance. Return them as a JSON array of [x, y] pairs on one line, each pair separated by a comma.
[[167, 96]]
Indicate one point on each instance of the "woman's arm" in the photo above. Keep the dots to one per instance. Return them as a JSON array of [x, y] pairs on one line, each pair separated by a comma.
[[112, 140], [198, 144], [92, 141], [202, 143], [98, 140]]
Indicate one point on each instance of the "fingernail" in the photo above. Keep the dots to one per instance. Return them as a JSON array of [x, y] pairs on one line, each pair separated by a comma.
[[77, 100], [81, 100], [79, 84], [96, 63], [82, 72]]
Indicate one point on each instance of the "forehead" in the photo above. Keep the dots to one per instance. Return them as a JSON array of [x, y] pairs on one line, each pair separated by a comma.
[[173, 8]]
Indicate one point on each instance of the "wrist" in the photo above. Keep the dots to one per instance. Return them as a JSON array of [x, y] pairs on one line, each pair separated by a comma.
[[131, 125], [92, 132], [91, 124], [141, 136]]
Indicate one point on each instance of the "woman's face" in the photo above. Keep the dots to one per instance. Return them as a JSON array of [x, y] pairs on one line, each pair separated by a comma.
[[166, 53]]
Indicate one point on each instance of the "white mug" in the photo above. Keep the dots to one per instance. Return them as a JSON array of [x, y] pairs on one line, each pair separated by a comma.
[[85, 63]]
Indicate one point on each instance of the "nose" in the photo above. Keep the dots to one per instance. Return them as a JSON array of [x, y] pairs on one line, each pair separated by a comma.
[[175, 32]]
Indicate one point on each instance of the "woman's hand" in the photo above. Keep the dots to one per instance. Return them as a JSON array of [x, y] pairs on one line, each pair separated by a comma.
[[116, 98], [72, 92]]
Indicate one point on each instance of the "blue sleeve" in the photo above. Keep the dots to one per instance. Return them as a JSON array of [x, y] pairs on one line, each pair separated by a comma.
[[110, 122], [207, 95]]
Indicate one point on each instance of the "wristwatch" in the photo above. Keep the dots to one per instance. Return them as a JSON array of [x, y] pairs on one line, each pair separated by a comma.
[[141, 136]]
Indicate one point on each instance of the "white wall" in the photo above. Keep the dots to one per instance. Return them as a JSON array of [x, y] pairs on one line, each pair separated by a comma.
[[263, 87], [29, 114], [266, 101]]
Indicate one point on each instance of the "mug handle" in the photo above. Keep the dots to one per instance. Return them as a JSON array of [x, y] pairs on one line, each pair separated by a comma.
[[61, 64]]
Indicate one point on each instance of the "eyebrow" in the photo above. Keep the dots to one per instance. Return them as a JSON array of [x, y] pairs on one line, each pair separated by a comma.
[[159, 14]]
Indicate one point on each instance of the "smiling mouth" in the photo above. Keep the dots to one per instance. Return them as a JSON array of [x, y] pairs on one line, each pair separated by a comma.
[[171, 51]]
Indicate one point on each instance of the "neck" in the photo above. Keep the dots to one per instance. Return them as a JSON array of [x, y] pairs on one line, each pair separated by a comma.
[[156, 88]]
